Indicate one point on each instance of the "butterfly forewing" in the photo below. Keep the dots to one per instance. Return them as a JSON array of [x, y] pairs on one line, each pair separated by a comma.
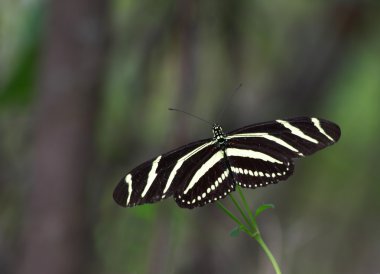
[[207, 170], [295, 137], [161, 176]]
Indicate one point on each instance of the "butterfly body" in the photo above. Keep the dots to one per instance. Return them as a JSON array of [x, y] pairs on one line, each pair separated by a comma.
[[208, 170]]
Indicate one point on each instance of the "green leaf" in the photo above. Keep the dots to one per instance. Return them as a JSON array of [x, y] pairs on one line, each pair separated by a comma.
[[262, 208], [235, 231]]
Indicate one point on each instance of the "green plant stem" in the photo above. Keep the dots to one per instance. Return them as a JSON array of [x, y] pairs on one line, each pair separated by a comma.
[[252, 230], [229, 213], [247, 208], [258, 238], [236, 203]]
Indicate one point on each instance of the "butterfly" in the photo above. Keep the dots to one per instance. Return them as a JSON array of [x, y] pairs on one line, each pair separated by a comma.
[[208, 170]]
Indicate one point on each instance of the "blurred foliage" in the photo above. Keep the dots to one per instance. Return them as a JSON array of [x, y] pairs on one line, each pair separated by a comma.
[[19, 54], [294, 58]]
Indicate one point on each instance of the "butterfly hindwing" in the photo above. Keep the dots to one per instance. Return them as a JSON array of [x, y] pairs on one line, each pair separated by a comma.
[[210, 181], [253, 168]]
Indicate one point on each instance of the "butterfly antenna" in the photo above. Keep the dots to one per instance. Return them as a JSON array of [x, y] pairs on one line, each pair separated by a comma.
[[226, 103], [192, 115]]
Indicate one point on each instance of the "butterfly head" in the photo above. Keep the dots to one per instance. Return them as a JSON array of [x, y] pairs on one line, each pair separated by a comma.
[[218, 132]]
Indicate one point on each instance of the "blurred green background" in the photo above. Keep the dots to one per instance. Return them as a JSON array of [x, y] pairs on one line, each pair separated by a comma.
[[84, 91]]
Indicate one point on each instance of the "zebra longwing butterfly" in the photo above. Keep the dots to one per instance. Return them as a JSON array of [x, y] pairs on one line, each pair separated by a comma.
[[205, 171]]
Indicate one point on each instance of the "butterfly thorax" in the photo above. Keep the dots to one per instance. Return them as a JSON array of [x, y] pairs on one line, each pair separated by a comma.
[[219, 135]]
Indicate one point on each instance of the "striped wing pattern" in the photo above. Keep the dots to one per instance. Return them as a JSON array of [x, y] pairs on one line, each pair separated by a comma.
[[206, 171], [160, 177], [211, 181]]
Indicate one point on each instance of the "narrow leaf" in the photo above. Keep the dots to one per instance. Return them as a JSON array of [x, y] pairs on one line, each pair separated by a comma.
[[262, 208], [235, 231]]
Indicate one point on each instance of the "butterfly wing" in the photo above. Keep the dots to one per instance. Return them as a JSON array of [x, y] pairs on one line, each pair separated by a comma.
[[210, 181], [207, 170], [161, 176], [262, 154]]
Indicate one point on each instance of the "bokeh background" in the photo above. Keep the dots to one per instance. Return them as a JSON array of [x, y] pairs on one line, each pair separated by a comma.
[[84, 91]]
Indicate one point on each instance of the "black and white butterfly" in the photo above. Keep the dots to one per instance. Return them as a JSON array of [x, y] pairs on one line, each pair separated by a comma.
[[208, 170]]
